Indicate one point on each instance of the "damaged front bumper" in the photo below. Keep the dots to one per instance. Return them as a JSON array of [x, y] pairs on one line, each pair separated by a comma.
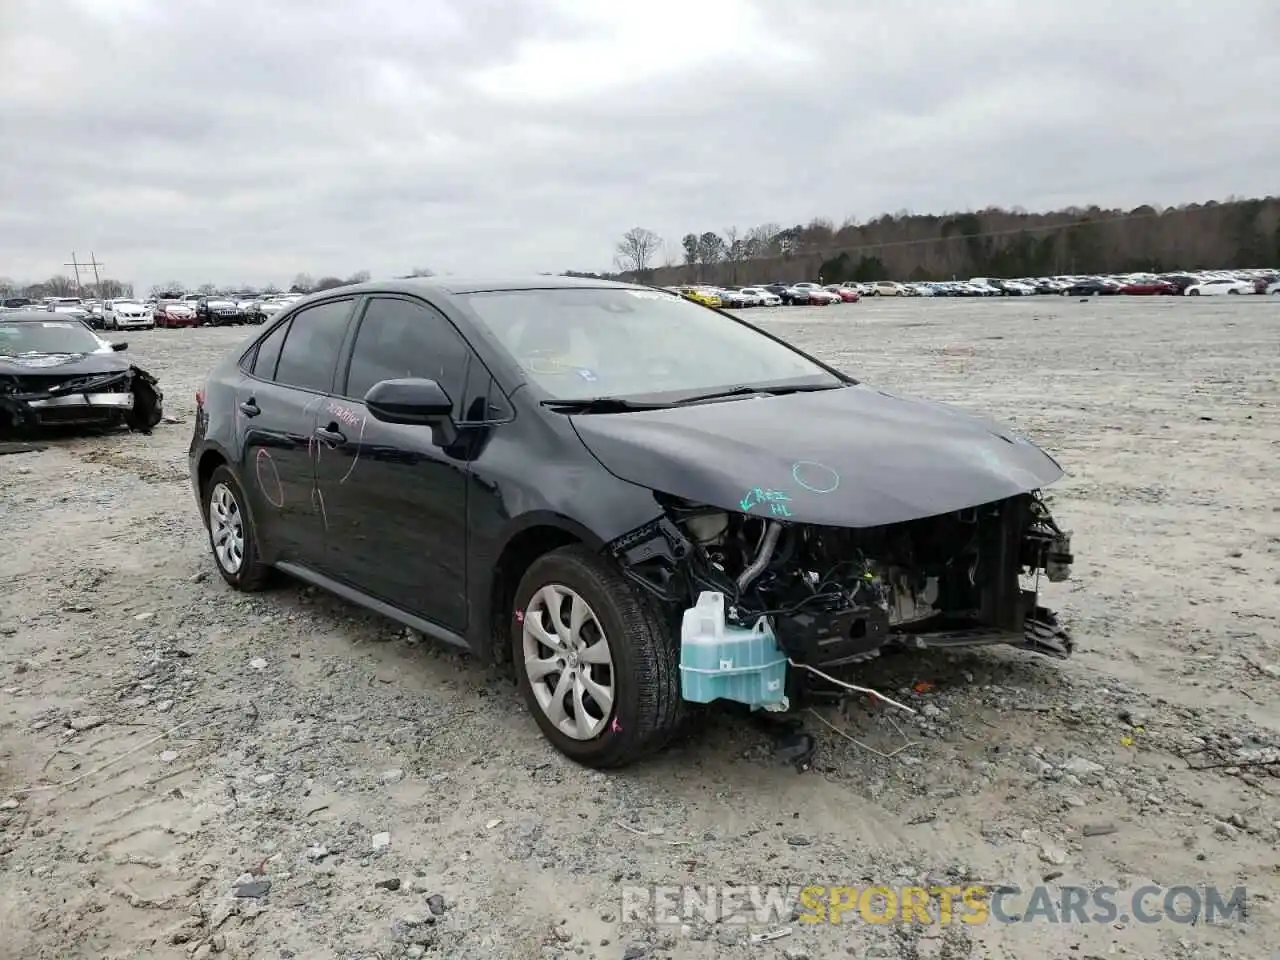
[[115, 401], [131, 397], [815, 596]]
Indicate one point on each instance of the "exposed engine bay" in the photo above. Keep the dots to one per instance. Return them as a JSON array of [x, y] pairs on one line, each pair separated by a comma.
[[30, 402], [838, 595]]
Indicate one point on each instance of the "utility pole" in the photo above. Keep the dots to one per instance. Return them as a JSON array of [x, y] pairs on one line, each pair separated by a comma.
[[92, 262], [76, 266], [97, 281]]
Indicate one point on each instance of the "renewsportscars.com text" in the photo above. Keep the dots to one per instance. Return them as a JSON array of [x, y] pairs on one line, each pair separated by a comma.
[[973, 904]]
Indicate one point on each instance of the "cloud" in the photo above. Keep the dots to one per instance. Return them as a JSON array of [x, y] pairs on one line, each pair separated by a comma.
[[238, 141]]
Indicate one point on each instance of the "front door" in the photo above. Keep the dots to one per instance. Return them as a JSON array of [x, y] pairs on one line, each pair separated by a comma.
[[395, 502]]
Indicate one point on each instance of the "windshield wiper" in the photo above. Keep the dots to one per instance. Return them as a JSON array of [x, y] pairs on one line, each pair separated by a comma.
[[601, 405], [747, 391]]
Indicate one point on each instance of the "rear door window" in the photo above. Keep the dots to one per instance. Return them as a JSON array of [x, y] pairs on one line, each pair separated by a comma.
[[311, 347]]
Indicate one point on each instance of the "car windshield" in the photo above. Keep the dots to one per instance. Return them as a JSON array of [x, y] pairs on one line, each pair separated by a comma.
[[61, 336], [583, 343]]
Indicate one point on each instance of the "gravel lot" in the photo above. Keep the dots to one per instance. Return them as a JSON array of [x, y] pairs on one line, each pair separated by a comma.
[[397, 801]]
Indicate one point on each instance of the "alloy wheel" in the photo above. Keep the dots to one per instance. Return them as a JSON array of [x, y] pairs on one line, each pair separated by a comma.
[[226, 528], [568, 661]]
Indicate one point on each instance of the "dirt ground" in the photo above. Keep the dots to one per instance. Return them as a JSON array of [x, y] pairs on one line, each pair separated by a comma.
[[164, 742]]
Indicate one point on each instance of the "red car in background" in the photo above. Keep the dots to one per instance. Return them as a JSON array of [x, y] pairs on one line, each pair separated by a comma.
[[173, 313], [844, 293], [1149, 288]]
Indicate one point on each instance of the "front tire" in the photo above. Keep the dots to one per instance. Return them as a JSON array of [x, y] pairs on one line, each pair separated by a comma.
[[596, 664], [232, 538]]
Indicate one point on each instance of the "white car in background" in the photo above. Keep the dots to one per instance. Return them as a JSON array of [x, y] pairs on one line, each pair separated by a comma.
[[1273, 289], [70, 306], [762, 298], [1019, 288], [127, 314], [270, 306], [1217, 286], [248, 307], [886, 288]]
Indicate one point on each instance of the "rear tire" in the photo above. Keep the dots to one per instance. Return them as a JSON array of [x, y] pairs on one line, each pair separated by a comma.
[[224, 507], [645, 708]]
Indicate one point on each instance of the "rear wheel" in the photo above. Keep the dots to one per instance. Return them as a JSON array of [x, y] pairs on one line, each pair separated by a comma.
[[231, 534], [1194, 293], [597, 666]]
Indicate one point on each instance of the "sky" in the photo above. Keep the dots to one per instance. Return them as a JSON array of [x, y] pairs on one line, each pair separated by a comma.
[[245, 141]]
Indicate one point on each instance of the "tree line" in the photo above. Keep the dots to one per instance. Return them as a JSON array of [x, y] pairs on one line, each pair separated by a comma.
[[63, 286], [1235, 233]]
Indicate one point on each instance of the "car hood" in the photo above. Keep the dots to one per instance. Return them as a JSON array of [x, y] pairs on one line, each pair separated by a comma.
[[69, 364], [852, 457]]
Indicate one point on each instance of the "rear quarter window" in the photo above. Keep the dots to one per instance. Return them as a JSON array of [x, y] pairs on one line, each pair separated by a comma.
[[263, 360]]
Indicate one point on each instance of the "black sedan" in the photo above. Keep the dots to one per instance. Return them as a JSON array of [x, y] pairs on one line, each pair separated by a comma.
[[789, 295], [638, 502], [56, 372], [1091, 288]]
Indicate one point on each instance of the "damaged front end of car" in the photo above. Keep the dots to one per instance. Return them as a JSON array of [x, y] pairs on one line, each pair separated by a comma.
[[763, 600], [30, 403]]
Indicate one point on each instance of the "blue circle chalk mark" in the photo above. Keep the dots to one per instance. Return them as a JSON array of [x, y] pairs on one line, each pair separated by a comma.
[[801, 467]]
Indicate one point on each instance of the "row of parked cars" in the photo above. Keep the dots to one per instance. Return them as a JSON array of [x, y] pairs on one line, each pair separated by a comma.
[[1207, 283], [129, 313], [770, 294], [1190, 284]]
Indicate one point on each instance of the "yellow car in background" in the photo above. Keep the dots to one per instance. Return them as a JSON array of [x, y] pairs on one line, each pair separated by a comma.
[[698, 295]]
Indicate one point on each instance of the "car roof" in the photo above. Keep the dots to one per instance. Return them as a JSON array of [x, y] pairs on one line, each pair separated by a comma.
[[28, 316], [451, 286]]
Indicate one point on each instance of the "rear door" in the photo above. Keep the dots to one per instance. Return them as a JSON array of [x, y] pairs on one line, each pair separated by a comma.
[[290, 377]]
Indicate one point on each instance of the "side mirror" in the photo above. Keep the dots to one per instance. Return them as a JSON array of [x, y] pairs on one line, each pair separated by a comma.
[[415, 402], [118, 347]]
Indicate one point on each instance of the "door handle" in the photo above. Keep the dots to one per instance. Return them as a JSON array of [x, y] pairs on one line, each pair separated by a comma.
[[250, 408], [331, 435]]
